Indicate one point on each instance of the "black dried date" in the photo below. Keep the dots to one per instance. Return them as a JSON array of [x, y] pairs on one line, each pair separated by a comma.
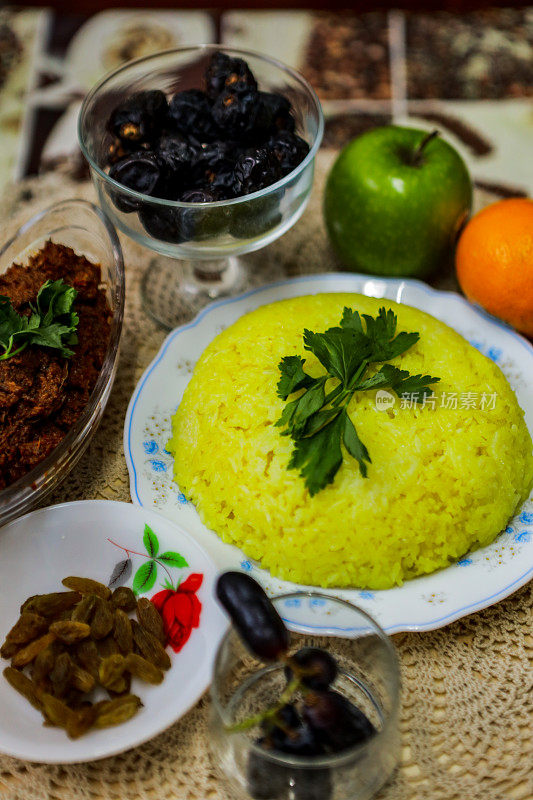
[[190, 113], [225, 72], [256, 169], [253, 614], [140, 117], [140, 172]]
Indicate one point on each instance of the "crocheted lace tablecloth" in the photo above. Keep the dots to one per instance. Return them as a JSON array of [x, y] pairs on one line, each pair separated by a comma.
[[467, 709]]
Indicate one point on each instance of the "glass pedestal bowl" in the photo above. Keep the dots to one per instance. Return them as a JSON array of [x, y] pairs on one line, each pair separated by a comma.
[[206, 264]]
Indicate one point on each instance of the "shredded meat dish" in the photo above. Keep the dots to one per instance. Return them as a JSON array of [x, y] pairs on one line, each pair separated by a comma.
[[42, 393]]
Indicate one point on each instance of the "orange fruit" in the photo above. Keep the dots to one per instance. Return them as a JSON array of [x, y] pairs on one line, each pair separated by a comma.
[[494, 261]]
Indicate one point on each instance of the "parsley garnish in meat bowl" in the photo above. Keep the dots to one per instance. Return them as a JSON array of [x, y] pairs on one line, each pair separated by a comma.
[[52, 323], [317, 420]]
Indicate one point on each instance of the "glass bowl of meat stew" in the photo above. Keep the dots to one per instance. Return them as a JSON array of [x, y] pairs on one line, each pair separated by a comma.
[[53, 392], [201, 154]]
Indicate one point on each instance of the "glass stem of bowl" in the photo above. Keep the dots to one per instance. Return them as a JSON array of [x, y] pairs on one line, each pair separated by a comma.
[[174, 290]]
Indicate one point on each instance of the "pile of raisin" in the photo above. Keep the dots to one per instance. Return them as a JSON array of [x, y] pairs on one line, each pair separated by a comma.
[[200, 146], [66, 645]]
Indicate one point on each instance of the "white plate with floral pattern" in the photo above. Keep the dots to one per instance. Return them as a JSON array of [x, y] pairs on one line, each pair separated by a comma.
[[118, 544], [476, 581]]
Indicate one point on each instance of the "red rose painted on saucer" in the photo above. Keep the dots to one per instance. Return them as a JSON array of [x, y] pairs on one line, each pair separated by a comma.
[[180, 609]]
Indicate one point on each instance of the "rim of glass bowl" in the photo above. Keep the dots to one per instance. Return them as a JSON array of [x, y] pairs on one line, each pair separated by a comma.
[[334, 760], [216, 203], [60, 454]]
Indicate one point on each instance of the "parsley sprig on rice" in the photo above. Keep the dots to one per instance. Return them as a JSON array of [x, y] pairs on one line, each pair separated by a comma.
[[443, 481]]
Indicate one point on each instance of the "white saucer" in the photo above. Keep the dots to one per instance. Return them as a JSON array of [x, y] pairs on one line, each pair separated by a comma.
[[37, 552]]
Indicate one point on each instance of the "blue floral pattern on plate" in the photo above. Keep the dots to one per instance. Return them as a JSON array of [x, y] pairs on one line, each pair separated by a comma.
[[159, 463]]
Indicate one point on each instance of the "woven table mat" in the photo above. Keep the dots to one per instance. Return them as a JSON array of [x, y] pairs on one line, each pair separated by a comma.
[[467, 706]]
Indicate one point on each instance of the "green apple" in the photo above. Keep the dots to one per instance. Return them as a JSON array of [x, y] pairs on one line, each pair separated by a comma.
[[395, 201]]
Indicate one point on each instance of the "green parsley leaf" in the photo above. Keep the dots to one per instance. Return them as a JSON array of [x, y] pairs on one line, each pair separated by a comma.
[[354, 445], [308, 404], [54, 335], [319, 457], [320, 420], [339, 350], [54, 299], [293, 376], [397, 346], [400, 381], [297, 412], [285, 421], [379, 380], [351, 319], [415, 385], [383, 327], [11, 326], [318, 423], [52, 323], [381, 331]]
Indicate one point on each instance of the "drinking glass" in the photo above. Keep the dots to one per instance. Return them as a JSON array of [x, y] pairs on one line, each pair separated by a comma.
[[368, 676]]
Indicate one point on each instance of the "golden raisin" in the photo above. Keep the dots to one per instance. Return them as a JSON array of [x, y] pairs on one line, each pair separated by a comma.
[[82, 680], [32, 650], [56, 710], [61, 674], [22, 684], [69, 631], [51, 605], [81, 721], [111, 669], [88, 656], [82, 612], [124, 598], [102, 621], [143, 669], [113, 712], [122, 632], [150, 618], [87, 586], [150, 647], [28, 627]]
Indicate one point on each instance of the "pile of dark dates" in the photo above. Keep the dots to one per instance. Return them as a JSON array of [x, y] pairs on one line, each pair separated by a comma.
[[311, 719], [203, 146]]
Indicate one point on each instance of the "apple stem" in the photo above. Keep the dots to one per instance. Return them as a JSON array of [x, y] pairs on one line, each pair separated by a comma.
[[419, 152]]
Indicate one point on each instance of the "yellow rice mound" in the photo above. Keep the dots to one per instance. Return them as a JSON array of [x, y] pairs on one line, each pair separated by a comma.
[[441, 481]]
